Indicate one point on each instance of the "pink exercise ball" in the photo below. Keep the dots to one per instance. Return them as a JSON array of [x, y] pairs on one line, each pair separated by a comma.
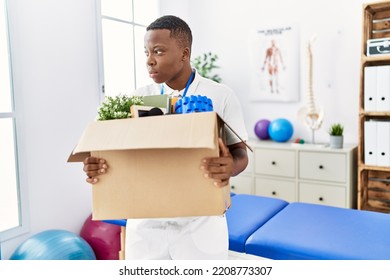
[[104, 238], [261, 129]]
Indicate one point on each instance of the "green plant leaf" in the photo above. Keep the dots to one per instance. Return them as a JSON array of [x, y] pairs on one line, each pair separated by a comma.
[[117, 107], [336, 129], [205, 64]]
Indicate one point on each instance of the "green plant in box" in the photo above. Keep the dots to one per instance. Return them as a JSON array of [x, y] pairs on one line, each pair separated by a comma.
[[117, 107]]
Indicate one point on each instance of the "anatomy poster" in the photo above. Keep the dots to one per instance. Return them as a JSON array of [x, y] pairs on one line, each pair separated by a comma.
[[275, 64]]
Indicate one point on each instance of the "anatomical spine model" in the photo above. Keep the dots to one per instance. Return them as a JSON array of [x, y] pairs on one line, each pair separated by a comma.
[[311, 115]]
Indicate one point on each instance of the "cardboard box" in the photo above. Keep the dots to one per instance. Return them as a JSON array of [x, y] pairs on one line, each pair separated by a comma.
[[154, 166]]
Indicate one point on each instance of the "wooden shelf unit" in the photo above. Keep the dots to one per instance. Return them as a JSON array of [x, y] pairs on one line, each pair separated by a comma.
[[373, 181]]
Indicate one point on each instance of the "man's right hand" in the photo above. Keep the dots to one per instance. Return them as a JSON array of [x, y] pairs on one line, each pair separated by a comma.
[[93, 167]]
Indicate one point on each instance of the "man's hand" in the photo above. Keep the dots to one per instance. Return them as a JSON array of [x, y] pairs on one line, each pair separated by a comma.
[[220, 169], [93, 167]]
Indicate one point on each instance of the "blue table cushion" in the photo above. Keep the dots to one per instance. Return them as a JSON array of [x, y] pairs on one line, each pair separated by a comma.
[[121, 222], [246, 214], [303, 231]]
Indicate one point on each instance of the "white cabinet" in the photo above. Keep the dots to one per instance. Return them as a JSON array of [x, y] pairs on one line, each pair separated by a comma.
[[244, 182], [275, 162], [328, 166], [278, 188], [323, 194], [301, 172]]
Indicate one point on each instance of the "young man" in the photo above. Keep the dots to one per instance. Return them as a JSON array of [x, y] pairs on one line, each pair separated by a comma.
[[168, 49]]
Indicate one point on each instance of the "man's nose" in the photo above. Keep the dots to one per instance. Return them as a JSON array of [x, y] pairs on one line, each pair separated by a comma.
[[150, 61]]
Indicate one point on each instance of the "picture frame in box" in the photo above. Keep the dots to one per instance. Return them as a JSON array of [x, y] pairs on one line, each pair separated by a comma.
[[138, 111]]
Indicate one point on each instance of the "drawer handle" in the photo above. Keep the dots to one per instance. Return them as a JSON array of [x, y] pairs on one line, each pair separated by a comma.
[[321, 167], [273, 193], [321, 198], [273, 163]]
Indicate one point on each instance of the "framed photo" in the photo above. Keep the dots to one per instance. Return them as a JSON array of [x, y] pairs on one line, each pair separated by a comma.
[[275, 63], [138, 111]]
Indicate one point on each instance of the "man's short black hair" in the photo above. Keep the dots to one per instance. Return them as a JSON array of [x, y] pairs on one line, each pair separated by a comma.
[[178, 27]]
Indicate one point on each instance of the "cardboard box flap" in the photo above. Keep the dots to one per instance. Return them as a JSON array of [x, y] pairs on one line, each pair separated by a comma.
[[155, 132]]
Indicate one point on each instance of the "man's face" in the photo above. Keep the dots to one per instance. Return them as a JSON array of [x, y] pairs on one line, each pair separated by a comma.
[[164, 57]]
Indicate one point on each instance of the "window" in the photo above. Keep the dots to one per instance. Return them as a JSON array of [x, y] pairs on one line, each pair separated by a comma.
[[121, 27], [11, 218]]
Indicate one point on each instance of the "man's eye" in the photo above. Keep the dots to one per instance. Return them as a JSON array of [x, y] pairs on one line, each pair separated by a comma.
[[158, 52]]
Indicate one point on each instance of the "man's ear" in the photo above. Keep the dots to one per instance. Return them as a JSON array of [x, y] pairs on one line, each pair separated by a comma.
[[186, 54]]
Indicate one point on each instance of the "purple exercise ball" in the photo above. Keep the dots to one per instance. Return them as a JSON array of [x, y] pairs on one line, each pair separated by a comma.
[[261, 129]]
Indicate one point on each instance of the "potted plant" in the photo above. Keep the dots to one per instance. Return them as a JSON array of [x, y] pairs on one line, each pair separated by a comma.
[[336, 135], [205, 64]]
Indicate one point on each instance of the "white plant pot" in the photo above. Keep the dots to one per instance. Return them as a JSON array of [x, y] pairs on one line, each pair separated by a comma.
[[336, 142]]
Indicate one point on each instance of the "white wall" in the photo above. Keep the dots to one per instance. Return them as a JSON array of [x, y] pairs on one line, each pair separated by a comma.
[[56, 82], [223, 26], [56, 85]]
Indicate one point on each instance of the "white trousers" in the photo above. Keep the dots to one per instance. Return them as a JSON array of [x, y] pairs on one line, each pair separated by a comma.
[[189, 238]]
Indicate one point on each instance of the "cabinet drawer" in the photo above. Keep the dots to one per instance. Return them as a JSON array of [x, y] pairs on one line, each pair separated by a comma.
[[275, 188], [251, 166], [323, 166], [241, 184], [322, 194], [275, 162]]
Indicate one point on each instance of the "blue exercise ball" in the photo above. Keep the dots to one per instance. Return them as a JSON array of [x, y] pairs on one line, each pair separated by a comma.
[[54, 245], [280, 130]]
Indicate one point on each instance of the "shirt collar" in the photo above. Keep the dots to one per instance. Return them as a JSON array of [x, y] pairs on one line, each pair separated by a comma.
[[191, 89]]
